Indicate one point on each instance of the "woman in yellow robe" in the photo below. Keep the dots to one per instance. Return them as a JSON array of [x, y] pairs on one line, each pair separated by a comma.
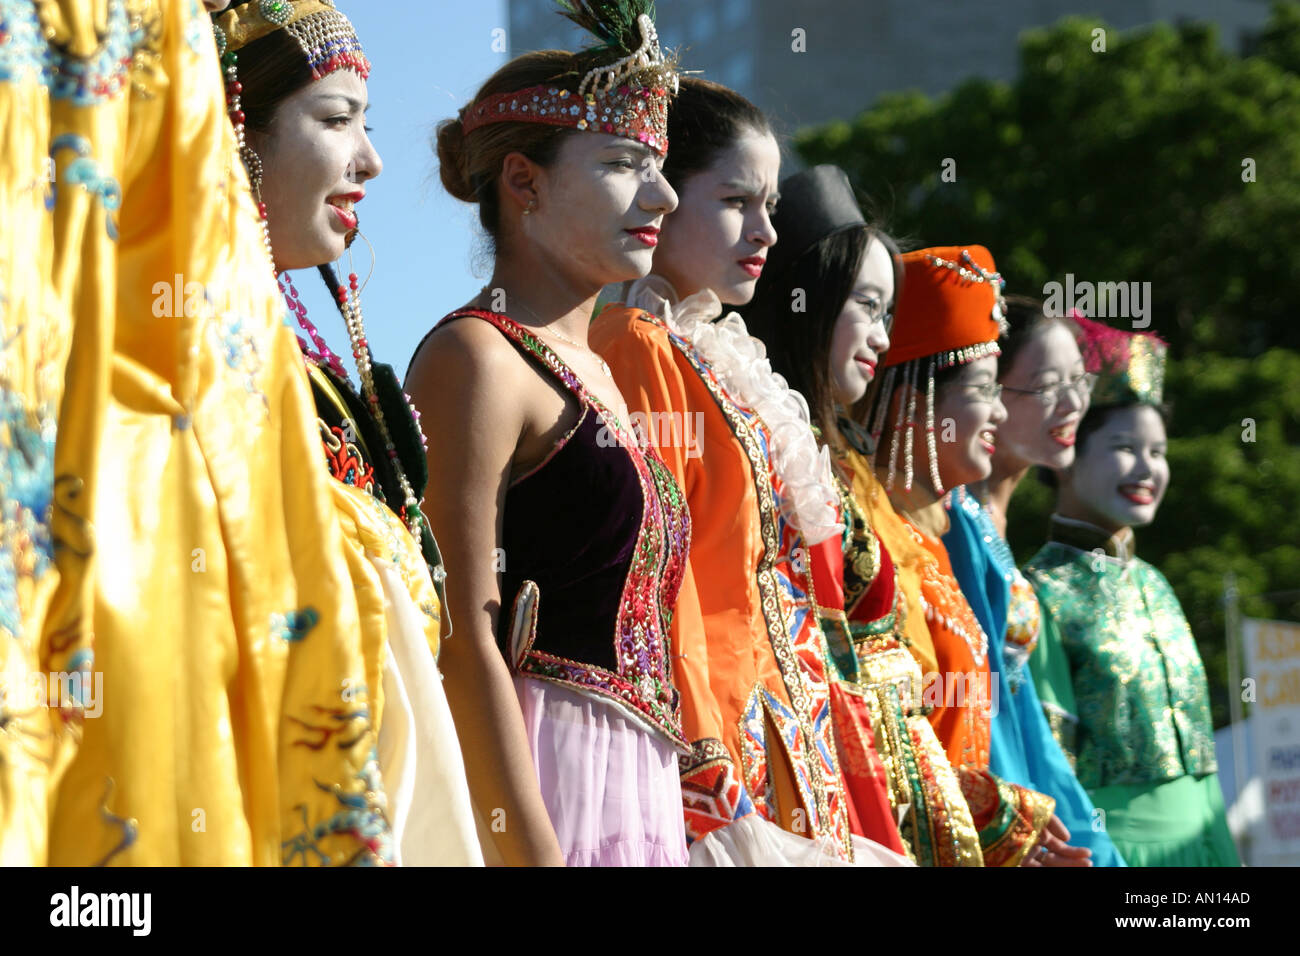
[[229, 642]]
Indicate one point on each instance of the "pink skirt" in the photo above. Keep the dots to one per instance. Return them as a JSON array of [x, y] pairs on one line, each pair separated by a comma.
[[611, 786]]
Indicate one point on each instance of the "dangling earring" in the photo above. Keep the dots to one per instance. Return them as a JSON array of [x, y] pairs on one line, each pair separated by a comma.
[[252, 162], [532, 204]]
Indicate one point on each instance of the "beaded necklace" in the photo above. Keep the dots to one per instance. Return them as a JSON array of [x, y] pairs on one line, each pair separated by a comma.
[[321, 354], [349, 300]]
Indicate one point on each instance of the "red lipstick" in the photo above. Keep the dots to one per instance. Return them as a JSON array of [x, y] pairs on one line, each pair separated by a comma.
[[647, 234]]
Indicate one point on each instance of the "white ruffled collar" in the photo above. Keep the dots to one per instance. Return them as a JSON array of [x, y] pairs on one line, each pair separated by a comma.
[[809, 500]]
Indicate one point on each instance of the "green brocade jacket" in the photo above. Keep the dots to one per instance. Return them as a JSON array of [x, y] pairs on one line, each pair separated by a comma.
[[1116, 666]]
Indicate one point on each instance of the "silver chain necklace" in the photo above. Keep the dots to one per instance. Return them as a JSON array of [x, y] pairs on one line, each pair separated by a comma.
[[542, 326]]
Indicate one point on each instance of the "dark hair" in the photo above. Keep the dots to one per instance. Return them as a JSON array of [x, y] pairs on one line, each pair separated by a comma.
[[799, 344], [705, 119], [271, 69], [1025, 317], [469, 165]]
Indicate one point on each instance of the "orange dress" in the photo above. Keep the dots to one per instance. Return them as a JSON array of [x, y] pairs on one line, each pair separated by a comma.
[[946, 640], [749, 655]]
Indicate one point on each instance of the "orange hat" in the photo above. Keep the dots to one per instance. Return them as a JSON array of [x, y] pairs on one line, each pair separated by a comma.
[[951, 307]]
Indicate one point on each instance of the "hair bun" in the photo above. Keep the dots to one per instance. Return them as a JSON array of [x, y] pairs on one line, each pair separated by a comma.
[[453, 161]]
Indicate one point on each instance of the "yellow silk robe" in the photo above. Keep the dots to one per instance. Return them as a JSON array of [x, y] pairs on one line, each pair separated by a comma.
[[203, 579]]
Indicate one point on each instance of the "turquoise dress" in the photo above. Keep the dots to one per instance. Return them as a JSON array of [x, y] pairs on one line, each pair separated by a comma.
[[1123, 685], [1022, 748]]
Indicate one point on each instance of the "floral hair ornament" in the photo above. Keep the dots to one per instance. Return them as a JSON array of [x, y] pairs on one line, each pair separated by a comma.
[[1130, 366], [627, 96], [951, 312]]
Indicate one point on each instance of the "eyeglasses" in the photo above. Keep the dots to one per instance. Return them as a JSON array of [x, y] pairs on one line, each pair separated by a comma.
[[878, 311], [988, 392], [1050, 395]]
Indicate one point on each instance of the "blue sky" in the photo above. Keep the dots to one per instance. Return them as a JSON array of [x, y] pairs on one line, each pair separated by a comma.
[[429, 57]]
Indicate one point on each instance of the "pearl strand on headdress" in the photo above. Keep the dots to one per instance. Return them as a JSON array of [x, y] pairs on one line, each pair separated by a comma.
[[643, 57], [973, 274], [894, 439], [913, 371], [929, 432]]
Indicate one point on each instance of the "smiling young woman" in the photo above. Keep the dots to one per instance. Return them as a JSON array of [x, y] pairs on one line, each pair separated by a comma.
[[567, 533], [1116, 667], [823, 309], [296, 84]]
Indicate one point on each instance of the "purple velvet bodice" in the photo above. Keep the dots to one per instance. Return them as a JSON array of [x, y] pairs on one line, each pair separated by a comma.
[[602, 529]]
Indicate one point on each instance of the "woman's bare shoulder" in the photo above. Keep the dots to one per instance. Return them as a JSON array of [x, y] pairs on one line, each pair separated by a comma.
[[470, 351]]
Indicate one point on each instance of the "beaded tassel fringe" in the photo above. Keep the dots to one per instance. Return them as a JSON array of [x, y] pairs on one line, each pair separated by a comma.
[[929, 433], [350, 305], [914, 370], [894, 438]]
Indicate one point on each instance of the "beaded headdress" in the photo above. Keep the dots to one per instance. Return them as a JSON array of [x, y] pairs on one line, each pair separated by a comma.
[[951, 312], [325, 35], [1130, 366], [627, 96]]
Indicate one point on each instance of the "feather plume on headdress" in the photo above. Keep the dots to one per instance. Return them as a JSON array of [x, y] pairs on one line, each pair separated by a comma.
[[613, 23], [624, 93]]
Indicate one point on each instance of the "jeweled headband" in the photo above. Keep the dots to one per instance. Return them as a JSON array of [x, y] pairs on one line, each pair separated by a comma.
[[626, 98], [325, 35]]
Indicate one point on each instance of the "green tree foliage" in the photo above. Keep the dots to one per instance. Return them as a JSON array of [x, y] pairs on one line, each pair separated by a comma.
[[1130, 165], [1125, 165]]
